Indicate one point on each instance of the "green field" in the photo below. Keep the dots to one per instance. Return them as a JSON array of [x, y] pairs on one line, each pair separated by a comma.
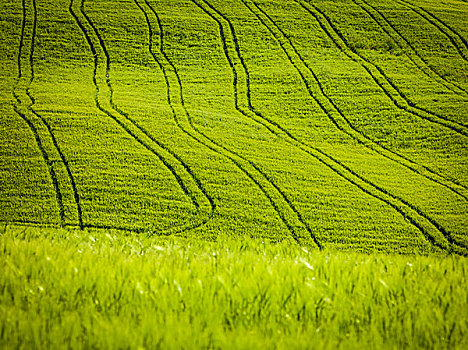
[[108, 291], [338, 127]]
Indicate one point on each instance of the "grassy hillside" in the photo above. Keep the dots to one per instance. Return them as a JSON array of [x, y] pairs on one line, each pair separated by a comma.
[[336, 123], [207, 173]]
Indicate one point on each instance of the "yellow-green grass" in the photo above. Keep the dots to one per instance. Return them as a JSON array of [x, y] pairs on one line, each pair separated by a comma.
[[106, 290], [207, 173], [332, 123]]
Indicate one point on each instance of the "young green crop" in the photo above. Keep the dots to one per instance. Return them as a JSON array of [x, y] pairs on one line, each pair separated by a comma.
[[105, 290], [241, 118], [211, 170]]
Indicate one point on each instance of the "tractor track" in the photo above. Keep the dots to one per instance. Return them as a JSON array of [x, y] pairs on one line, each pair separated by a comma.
[[246, 113], [144, 131], [344, 124], [412, 213], [141, 135], [399, 99], [454, 37], [279, 201], [49, 164], [63, 159], [25, 109], [409, 50]]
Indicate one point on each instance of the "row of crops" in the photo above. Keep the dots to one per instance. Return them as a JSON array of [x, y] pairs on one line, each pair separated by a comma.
[[338, 124]]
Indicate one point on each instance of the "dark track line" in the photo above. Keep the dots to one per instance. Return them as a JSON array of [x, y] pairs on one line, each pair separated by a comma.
[[439, 24], [32, 127], [202, 138], [243, 112], [310, 150], [405, 103], [49, 129], [132, 133], [49, 164], [435, 225], [34, 223], [448, 84], [21, 45], [354, 133], [31, 54], [145, 132]]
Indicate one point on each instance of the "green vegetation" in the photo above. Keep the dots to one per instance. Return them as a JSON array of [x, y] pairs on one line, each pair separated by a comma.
[[108, 291], [196, 126], [338, 124]]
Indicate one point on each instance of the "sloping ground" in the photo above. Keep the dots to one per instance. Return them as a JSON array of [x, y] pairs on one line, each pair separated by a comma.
[[340, 124]]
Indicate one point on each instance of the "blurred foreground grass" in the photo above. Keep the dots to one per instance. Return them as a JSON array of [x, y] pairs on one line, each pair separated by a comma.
[[101, 290]]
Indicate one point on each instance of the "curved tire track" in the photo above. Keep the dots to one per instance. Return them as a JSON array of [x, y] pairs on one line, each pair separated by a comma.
[[63, 159], [399, 99], [41, 130], [198, 196], [202, 193], [430, 229], [454, 37], [338, 118], [286, 211], [381, 20]]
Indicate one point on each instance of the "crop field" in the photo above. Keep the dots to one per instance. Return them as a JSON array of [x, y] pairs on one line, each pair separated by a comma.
[[337, 127], [105, 291], [337, 124]]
